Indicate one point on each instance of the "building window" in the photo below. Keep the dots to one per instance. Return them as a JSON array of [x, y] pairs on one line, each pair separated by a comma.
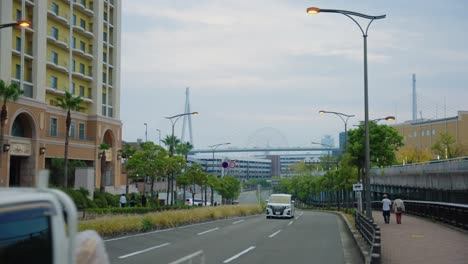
[[104, 98], [18, 15], [53, 82], [422, 132], [53, 127], [72, 89], [104, 57], [81, 90], [82, 46], [83, 2], [415, 134], [18, 71], [54, 32], [72, 129], [105, 36], [55, 8], [74, 19], [83, 23], [104, 77], [73, 42], [73, 65], [18, 43], [433, 132], [81, 131], [105, 16], [90, 92], [82, 71], [54, 57], [428, 132]]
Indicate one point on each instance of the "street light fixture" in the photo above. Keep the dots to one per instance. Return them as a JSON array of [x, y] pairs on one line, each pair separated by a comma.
[[174, 120], [213, 148], [159, 130], [21, 23], [146, 132], [349, 14], [340, 115]]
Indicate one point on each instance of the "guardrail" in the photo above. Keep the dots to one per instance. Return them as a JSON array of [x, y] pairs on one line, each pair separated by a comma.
[[371, 233], [448, 213]]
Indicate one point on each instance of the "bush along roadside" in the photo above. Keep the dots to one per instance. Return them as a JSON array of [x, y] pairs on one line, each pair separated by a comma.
[[117, 225]]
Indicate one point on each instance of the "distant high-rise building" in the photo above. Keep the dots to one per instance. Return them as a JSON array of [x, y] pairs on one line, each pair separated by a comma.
[[74, 46]]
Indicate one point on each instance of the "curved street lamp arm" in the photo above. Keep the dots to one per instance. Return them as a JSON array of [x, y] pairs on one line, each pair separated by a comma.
[[352, 13]]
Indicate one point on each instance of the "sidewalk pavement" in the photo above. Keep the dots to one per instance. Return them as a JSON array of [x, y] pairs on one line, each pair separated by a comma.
[[417, 240]]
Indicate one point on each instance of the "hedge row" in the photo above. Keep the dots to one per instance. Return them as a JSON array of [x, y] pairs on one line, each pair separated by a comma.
[[116, 225], [135, 210]]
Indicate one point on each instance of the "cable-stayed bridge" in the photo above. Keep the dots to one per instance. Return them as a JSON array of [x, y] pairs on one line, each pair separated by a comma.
[[264, 149]]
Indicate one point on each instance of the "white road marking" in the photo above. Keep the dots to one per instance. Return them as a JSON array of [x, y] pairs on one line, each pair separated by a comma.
[[207, 231], [290, 223], [274, 234], [141, 234], [144, 250], [190, 257], [236, 222], [238, 255]]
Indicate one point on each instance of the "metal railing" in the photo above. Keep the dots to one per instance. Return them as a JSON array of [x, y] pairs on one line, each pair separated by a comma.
[[371, 233], [448, 213]]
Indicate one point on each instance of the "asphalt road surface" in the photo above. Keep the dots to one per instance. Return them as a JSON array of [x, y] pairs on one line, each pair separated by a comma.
[[311, 237]]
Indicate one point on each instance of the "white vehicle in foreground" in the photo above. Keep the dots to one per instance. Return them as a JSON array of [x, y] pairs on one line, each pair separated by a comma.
[[280, 205], [39, 225]]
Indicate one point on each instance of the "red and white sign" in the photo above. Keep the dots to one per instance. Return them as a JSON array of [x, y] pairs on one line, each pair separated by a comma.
[[232, 164]]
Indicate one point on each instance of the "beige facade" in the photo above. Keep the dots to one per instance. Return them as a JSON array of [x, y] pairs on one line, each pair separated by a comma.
[[423, 134], [74, 46]]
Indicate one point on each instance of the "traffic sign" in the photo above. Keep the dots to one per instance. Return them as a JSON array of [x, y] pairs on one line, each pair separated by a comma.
[[232, 164], [357, 187], [225, 164]]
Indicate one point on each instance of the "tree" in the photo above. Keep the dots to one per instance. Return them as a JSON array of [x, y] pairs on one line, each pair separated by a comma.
[[151, 162], [229, 188], [102, 147], [410, 154], [446, 147], [171, 142], [384, 142], [126, 152], [184, 149], [68, 103], [9, 92], [214, 183]]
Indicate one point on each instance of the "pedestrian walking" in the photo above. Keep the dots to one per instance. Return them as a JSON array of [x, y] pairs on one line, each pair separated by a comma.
[[132, 200], [143, 200], [123, 200], [398, 209], [386, 204]]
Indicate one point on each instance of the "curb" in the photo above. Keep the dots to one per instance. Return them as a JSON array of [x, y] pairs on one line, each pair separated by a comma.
[[363, 246]]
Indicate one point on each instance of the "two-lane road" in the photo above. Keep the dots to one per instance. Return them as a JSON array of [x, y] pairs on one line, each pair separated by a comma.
[[312, 237]]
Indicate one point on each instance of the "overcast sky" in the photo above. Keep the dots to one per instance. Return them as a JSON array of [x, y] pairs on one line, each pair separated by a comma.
[[260, 70]]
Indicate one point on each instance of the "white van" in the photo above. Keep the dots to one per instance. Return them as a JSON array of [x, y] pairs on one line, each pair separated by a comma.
[[281, 206]]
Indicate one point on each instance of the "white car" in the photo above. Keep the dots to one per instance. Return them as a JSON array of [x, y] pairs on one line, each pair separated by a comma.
[[196, 202], [280, 205]]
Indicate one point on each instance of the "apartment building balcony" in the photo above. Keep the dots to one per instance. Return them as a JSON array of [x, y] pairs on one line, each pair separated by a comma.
[[83, 31], [80, 6], [58, 18], [83, 54], [27, 53], [58, 41], [59, 67], [82, 76], [28, 87]]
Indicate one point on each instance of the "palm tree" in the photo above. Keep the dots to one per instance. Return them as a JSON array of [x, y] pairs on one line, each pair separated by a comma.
[[8, 93], [68, 103], [184, 149], [171, 142]]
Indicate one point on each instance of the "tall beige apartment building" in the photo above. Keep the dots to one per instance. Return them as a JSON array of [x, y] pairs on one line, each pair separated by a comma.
[[72, 45]]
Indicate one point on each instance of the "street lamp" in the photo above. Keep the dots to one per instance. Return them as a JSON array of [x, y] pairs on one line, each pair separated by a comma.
[[158, 130], [213, 148], [340, 115], [387, 118], [349, 14], [21, 23], [146, 132], [174, 120]]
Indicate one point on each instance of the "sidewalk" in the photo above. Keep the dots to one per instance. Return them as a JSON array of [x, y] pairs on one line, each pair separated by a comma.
[[418, 240]]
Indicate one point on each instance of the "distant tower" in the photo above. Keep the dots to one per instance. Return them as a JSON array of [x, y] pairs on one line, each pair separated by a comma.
[[187, 118], [415, 106]]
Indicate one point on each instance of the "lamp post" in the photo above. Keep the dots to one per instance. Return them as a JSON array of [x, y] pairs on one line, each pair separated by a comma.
[[349, 14], [158, 130], [146, 132], [342, 117], [21, 23], [174, 120], [213, 148]]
